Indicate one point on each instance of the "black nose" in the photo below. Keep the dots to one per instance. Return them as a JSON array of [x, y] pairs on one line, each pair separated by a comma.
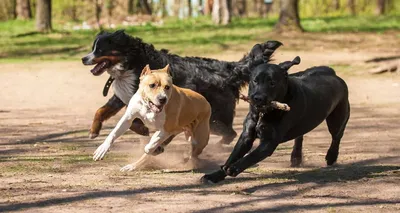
[[259, 99], [84, 60], [162, 100]]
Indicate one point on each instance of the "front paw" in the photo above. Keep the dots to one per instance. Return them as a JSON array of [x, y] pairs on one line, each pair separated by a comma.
[[101, 151], [214, 177], [232, 171], [150, 149], [128, 168], [93, 135], [95, 129]]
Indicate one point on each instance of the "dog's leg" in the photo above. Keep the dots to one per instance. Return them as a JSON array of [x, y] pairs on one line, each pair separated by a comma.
[[264, 150], [152, 148], [160, 149], [156, 140], [136, 165], [243, 146], [336, 122], [123, 124], [222, 119], [297, 156], [139, 127], [112, 107]]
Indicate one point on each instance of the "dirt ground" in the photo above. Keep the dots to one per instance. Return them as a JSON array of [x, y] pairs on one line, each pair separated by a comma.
[[46, 166]]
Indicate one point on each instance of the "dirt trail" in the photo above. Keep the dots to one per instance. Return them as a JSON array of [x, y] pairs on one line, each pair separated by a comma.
[[46, 166]]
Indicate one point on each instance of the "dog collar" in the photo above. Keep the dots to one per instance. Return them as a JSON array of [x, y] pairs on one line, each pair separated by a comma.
[[107, 86]]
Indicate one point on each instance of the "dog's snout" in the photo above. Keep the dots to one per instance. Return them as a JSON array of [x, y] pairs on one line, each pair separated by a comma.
[[162, 100], [84, 60], [258, 98]]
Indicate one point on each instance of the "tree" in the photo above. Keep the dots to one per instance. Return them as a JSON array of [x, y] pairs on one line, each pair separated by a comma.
[[43, 15], [336, 4], [220, 12], [352, 6], [190, 9], [380, 9], [23, 9], [289, 17]]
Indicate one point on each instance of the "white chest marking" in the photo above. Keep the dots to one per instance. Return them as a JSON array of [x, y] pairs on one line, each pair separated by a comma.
[[123, 84]]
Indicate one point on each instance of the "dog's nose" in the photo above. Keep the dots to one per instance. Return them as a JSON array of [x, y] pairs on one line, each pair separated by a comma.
[[162, 100], [84, 60], [258, 99]]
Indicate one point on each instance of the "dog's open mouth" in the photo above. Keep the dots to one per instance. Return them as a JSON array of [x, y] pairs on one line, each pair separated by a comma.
[[155, 108], [100, 67]]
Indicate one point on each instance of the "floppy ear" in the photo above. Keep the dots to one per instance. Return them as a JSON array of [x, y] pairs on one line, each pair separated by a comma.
[[269, 48], [146, 70], [166, 69], [287, 64], [120, 37]]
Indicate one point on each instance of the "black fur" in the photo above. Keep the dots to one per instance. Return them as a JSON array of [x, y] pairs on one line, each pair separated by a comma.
[[218, 81], [314, 95]]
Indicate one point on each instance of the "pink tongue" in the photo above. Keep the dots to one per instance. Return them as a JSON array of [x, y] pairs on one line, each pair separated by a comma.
[[99, 68]]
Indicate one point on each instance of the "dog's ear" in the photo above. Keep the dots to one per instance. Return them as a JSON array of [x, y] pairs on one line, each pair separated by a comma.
[[166, 69], [287, 64], [269, 48], [146, 70], [120, 37]]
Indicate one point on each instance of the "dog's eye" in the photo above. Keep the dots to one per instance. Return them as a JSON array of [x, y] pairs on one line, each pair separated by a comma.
[[166, 87], [152, 86], [272, 83], [255, 81]]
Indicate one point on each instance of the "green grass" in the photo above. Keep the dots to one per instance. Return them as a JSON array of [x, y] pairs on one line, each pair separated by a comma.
[[19, 42]]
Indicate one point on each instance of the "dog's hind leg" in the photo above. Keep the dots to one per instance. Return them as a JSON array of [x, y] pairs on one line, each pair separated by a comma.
[[221, 123], [297, 156], [200, 138], [336, 122]]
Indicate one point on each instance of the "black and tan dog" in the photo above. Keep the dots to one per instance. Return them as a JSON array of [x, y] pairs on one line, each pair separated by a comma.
[[314, 95], [123, 57]]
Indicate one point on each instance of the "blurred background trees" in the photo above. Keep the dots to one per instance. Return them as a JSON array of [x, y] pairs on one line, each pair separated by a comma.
[[87, 14]]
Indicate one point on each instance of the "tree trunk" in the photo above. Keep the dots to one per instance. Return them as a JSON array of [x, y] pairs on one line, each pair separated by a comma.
[[190, 9], [380, 9], [208, 7], [98, 5], [23, 9], [336, 4], [289, 20], [43, 15], [216, 12], [163, 8], [352, 6], [221, 12], [145, 5], [131, 6]]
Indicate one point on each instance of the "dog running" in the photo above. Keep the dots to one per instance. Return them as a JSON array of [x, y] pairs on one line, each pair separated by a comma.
[[123, 57], [168, 109], [314, 95]]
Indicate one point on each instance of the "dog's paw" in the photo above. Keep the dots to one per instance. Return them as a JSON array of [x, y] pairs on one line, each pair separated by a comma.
[[214, 177], [128, 168], [149, 149], [93, 135], [232, 171], [101, 151]]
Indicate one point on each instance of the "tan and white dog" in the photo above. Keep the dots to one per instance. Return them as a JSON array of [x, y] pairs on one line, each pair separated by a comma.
[[168, 109]]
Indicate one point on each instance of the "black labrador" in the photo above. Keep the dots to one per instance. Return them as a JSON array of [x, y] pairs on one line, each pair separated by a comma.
[[314, 95]]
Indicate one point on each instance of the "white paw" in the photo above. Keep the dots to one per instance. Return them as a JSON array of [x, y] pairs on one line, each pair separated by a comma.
[[101, 151], [128, 168], [148, 149]]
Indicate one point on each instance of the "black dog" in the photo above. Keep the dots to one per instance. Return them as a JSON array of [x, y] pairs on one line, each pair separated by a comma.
[[313, 95], [123, 57]]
